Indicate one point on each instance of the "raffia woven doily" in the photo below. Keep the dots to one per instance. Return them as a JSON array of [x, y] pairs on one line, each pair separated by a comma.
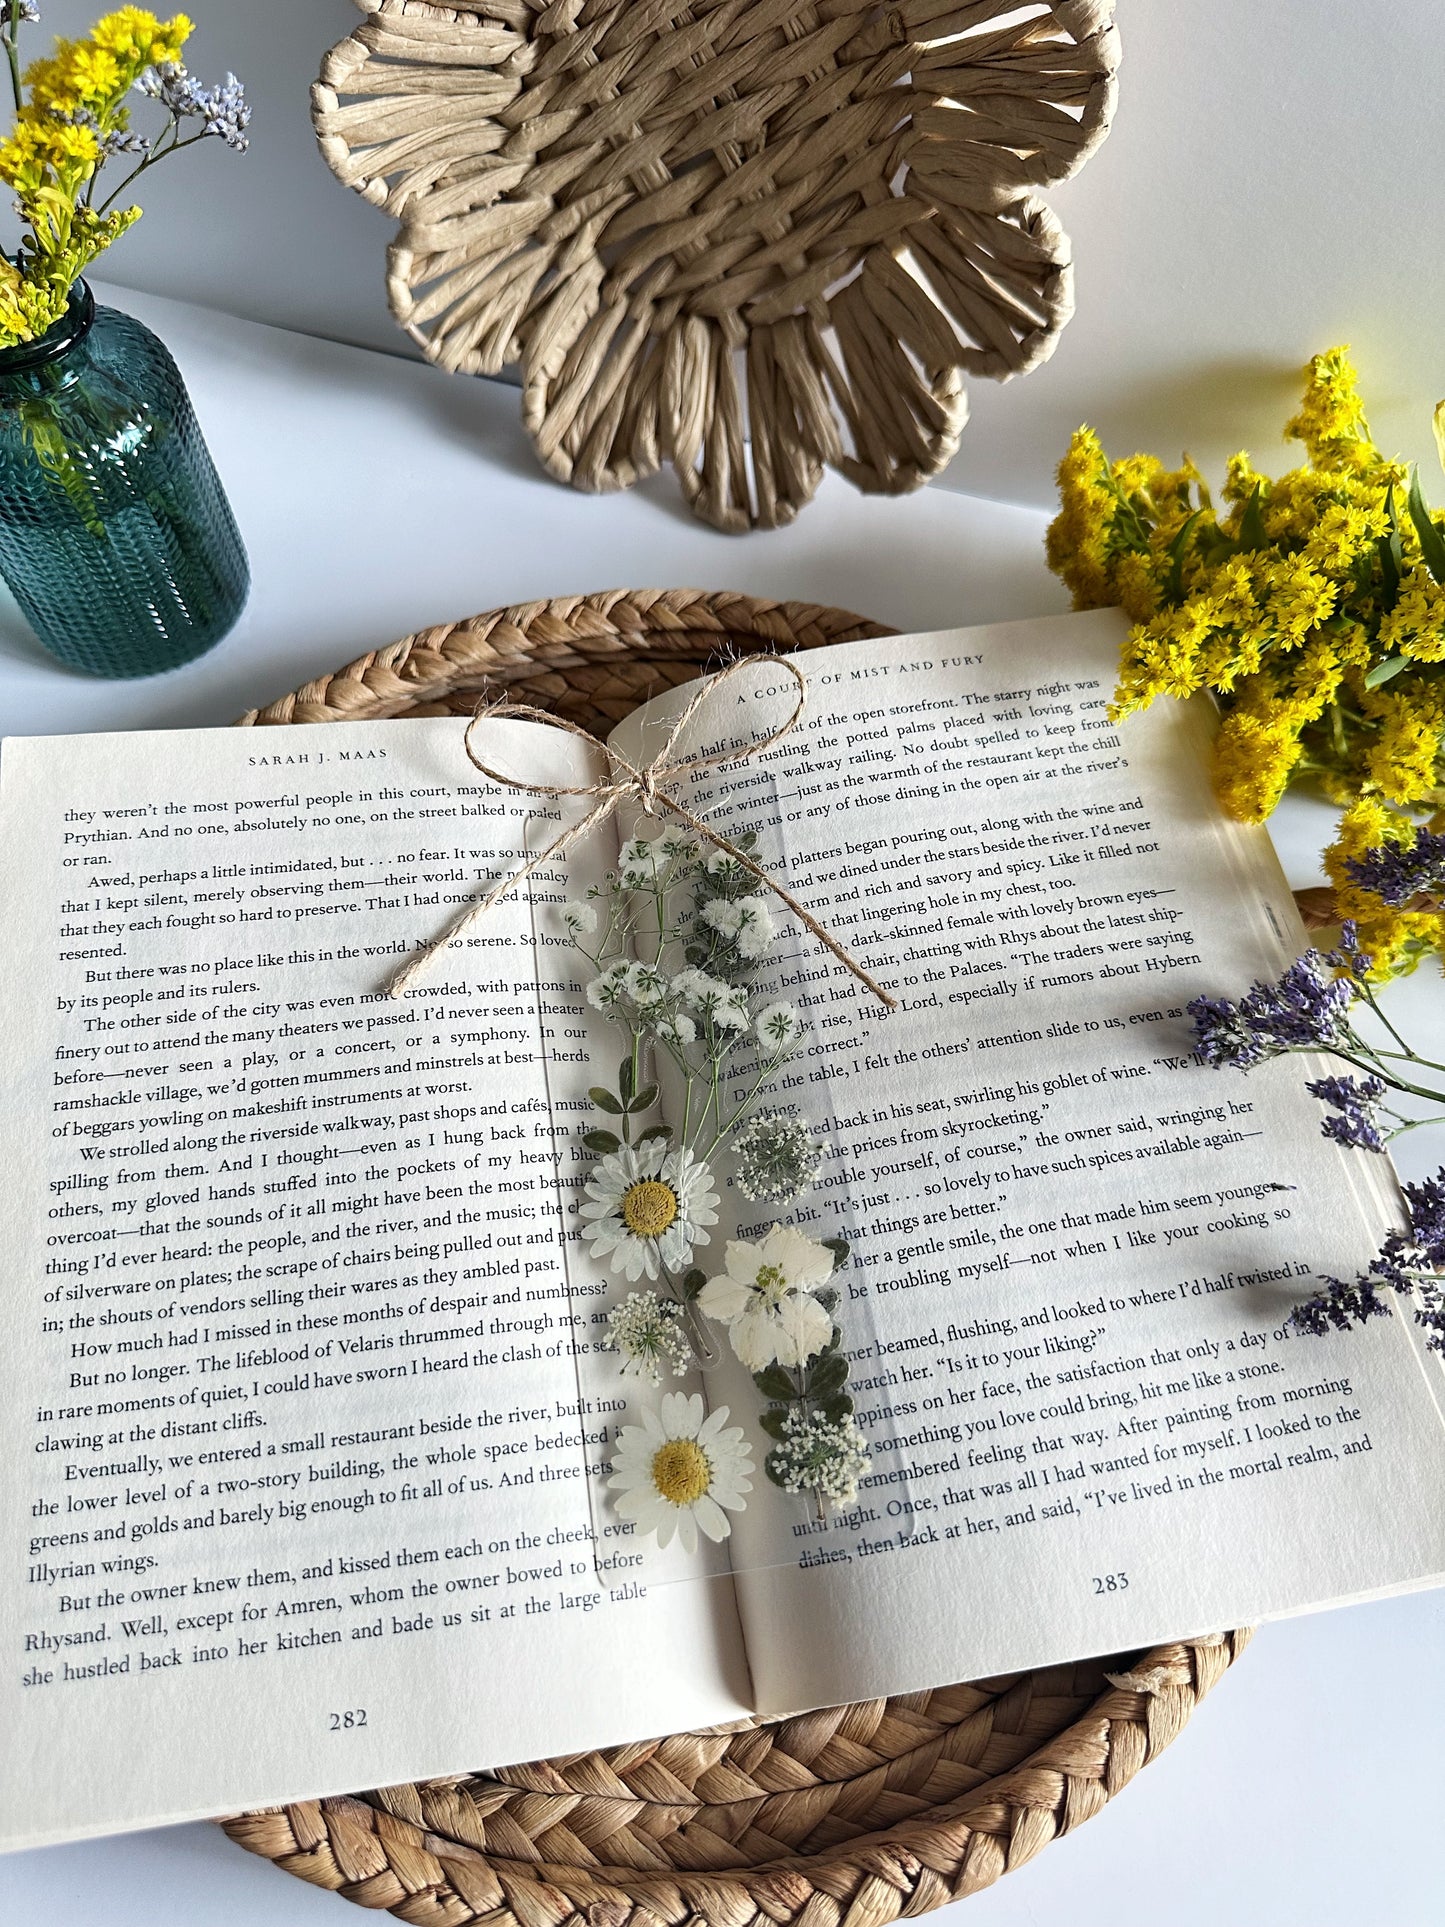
[[695, 222], [846, 1817]]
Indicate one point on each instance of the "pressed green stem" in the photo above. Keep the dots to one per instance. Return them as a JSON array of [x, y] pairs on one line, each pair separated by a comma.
[[1372, 1066]]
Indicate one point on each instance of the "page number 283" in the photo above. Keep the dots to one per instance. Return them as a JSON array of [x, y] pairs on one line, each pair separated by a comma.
[[344, 1722], [1111, 1582]]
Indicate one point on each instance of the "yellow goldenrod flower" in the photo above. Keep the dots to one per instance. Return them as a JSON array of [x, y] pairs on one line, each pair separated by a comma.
[[1312, 604]]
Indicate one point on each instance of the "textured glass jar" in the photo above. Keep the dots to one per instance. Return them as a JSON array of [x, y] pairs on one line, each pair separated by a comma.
[[116, 537]]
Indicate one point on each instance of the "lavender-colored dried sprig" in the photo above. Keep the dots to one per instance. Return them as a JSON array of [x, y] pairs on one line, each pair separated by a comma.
[[1307, 1009], [1355, 1102], [223, 111], [1397, 875], [1410, 1262]]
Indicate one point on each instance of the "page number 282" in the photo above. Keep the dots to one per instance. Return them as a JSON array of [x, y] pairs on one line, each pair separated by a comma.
[[1111, 1582], [344, 1722]]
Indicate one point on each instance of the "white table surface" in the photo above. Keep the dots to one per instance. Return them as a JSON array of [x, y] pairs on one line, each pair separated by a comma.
[[377, 496]]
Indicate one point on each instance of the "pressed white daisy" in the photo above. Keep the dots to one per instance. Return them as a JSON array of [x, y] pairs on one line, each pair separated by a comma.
[[755, 926], [778, 1026], [580, 918], [682, 1471], [765, 1298], [723, 916], [647, 1207]]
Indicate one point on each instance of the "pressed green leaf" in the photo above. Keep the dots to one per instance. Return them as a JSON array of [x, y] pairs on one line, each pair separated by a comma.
[[693, 1283], [1432, 542], [644, 1099], [774, 1421], [835, 1410], [774, 1382], [1383, 671], [1251, 526], [605, 1101], [653, 1132], [601, 1142], [828, 1373], [1178, 548], [827, 1298], [839, 1249], [626, 1080]]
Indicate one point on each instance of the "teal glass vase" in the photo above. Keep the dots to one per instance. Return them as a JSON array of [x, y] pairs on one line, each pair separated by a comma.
[[116, 537]]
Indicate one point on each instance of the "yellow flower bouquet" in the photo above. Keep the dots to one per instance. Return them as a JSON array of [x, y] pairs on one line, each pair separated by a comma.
[[73, 118], [1312, 605]]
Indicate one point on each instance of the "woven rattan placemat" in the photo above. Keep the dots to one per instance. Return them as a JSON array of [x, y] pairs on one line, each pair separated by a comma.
[[853, 1814]]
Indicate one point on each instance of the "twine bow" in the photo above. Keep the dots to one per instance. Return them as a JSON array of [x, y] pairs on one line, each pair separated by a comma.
[[646, 786]]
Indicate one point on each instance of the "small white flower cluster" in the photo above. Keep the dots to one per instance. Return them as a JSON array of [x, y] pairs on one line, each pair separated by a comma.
[[744, 921], [777, 1157], [648, 1333], [722, 1005], [778, 1027], [645, 862], [822, 1455]]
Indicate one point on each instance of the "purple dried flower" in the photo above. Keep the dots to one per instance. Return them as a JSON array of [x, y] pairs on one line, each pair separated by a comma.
[[1395, 875], [1354, 1100], [222, 110], [1410, 1262], [1306, 1010]]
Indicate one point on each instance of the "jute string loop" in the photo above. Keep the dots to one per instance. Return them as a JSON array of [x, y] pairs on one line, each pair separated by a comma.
[[645, 785]]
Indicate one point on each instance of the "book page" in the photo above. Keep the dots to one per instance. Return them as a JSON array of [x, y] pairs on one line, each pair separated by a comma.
[[297, 1498], [1074, 1248]]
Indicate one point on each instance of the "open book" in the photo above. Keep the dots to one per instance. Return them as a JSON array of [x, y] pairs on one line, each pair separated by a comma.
[[308, 1420]]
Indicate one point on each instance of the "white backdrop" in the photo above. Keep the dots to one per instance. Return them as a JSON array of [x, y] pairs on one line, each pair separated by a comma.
[[1272, 186]]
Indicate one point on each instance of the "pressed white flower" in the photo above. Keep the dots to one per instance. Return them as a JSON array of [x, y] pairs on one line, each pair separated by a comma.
[[712, 999], [639, 860], [677, 1027], [648, 1332], [816, 1454], [723, 916], [755, 926], [778, 1026], [607, 991], [679, 847], [765, 1298], [682, 1471], [688, 985], [720, 864], [580, 918], [646, 985], [647, 1207], [777, 1156]]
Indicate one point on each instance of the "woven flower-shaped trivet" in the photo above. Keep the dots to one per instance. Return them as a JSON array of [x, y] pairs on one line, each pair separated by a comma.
[[801, 224], [845, 1817]]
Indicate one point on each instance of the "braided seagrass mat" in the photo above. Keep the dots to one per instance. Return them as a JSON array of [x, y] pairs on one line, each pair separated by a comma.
[[799, 223], [846, 1817]]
